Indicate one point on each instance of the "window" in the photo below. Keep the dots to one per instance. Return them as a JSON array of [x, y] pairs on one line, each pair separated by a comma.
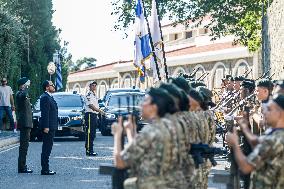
[[219, 74], [176, 36], [206, 30], [127, 82], [203, 31], [137, 98], [242, 69], [188, 35], [102, 90]]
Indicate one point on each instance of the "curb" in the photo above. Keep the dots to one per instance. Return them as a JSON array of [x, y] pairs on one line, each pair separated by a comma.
[[8, 141]]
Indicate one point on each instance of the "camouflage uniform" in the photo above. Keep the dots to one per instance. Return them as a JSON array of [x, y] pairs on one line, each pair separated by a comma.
[[210, 133], [181, 162], [258, 109], [191, 136], [268, 161], [149, 157], [196, 134], [206, 134]]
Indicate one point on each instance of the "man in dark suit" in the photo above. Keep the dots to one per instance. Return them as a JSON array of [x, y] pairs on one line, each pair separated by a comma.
[[48, 124], [25, 122]]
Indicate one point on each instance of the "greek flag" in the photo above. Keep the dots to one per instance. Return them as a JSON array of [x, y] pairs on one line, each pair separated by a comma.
[[142, 49], [58, 81], [157, 41]]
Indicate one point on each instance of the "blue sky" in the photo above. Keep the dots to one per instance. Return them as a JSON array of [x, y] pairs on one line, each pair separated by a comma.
[[87, 25]]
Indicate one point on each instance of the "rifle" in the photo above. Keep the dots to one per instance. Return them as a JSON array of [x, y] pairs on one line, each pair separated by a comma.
[[242, 103], [118, 175], [227, 100], [263, 75], [201, 151], [194, 72], [203, 76], [271, 76], [246, 74]]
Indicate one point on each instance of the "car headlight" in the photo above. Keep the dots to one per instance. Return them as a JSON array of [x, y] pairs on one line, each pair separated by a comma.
[[77, 118], [110, 116]]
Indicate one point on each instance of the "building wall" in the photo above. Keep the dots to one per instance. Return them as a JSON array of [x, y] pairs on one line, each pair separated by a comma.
[[217, 70], [274, 39]]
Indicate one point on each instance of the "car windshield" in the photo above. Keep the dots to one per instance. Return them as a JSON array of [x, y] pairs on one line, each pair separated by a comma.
[[108, 93], [68, 100], [113, 100], [64, 101]]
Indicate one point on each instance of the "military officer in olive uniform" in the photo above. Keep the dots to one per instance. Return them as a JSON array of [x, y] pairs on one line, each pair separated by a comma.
[[24, 115], [91, 112]]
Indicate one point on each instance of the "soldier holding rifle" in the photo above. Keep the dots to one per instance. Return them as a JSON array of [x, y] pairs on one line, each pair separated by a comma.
[[148, 155], [263, 92], [266, 161]]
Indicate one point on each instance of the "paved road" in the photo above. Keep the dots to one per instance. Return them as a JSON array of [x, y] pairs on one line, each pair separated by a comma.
[[74, 169], [68, 159]]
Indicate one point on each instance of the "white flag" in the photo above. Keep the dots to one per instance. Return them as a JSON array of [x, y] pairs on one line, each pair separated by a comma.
[[157, 41]]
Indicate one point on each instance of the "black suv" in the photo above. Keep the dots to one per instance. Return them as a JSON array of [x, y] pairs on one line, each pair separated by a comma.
[[116, 90], [130, 103], [70, 116]]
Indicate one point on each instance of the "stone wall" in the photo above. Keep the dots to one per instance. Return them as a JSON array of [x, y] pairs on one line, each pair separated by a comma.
[[274, 39]]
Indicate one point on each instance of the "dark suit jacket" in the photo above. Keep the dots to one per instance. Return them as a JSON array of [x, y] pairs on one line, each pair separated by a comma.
[[24, 109], [49, 112]]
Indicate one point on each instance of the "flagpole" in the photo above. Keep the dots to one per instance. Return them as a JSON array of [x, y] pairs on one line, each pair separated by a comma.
[[163, 46], [151, 42]]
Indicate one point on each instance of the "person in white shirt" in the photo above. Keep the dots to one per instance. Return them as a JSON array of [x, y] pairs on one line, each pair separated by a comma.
[[6, 103], [91, 112]]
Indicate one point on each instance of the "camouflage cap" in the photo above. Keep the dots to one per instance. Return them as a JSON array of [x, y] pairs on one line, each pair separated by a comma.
[[181, 83], [196, 96], [204, 91], [195, 84]]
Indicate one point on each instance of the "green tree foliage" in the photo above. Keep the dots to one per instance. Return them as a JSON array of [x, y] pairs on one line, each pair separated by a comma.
[[241, 18], [11, 42], [39, 40], [83, 63]]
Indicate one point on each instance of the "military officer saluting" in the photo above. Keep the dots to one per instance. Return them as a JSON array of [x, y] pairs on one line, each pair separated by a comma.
[[25, 122], [91, 112]]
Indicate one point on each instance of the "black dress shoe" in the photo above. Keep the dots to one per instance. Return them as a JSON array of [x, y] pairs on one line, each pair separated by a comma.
[[91, 154], [48, 172], [25, 171]]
